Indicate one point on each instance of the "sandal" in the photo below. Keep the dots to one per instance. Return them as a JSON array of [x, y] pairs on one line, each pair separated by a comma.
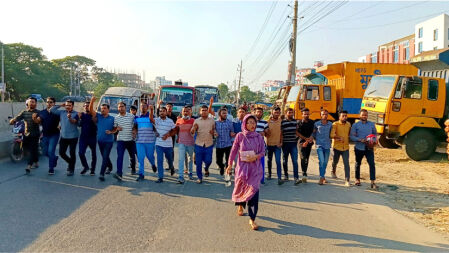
[[374, 186], [253, 225], [357, 183]]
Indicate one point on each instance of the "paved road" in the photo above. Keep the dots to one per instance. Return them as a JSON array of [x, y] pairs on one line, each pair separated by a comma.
[[58, 213]]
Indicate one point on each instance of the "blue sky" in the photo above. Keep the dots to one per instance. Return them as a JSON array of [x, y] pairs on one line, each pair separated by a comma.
[[202, 42]]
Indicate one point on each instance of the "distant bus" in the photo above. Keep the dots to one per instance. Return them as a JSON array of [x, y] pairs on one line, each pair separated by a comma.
[[177, 95], [203, 94]]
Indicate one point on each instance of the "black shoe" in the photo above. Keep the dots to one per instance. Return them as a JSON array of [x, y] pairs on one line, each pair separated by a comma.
[[221, 171], [118, 177], [280, 182], [154, 168], [172, 171], [206, 174], [167, 168], [108, 172], [69, 173], [133, 172], [51, 172], [84, 171], [160, 180], [297, 181], [27, 171], [140, 178], [269, 177], [92, 172], [285, 178], [101, 178], [180, 182]]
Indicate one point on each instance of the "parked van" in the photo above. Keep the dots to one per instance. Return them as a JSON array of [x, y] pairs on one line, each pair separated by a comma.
[[130, 96]]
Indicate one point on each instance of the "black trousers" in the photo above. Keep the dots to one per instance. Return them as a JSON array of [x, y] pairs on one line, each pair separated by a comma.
[[369, 155], [305, 154], [31, 147], [253, 206], [220, 153], [70, 144]]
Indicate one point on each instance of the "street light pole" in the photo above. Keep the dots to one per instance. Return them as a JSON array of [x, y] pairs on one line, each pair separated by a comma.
[[3, 75]]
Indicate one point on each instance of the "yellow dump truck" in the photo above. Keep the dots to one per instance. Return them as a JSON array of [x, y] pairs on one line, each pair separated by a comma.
[[346, 84], [411, 110]]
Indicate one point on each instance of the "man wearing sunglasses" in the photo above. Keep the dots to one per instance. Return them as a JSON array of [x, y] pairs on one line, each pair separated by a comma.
[[50, 132]]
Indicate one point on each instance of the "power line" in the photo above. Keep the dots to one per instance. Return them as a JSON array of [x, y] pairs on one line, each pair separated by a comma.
[[383, 25], [270, 12]]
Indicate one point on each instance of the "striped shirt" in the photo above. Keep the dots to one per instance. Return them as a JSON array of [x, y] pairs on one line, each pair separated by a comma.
[[261, 126], [289, 128], [31, 128], [145, 131], [163, 126], [126, 122]]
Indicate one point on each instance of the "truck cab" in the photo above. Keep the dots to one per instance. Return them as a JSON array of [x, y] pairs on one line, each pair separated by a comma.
[[408, 110], [316, 97]]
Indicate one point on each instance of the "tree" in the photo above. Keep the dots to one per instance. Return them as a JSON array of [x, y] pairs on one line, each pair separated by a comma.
[[223, 90], [28, 71]]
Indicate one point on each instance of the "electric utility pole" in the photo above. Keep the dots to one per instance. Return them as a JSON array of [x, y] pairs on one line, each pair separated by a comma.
[[3, 75], [292, 68], [240, 80]]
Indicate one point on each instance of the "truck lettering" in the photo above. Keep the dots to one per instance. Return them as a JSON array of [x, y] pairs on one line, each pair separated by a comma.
[[365, 79]]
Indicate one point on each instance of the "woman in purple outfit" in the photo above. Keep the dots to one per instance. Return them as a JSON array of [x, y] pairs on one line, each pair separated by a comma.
[[248, 172]]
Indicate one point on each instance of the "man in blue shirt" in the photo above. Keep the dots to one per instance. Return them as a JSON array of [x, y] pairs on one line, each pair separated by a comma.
[[50, 131], [262, 129], [321, 133], [69, 133], [105, 136], [237, 123], [359, 132], [225, 130], [88, 138]]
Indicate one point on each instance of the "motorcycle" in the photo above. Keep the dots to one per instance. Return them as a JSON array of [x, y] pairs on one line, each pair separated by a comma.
[[16, 149]]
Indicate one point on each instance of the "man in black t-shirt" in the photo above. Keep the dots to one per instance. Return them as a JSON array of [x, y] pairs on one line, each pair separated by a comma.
[[305, 130], [32, 132]]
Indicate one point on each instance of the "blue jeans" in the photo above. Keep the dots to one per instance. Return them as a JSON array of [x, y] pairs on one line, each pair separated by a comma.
[[203, 154], [105, 150], [144, 150], [323, 158], [277, 156], [92, 144], [161, 151], [49, 144], [182, 151], [121, 147], [290, 148]]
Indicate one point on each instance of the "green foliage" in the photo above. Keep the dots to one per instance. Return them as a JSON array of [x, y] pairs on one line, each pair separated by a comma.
[[28, 71], [224, 92], [250, 96], [273, 99]]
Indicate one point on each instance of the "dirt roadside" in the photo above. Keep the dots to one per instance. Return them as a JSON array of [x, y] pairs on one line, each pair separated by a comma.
[[419, 190]]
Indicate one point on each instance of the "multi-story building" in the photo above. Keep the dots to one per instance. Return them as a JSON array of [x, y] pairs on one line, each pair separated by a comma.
[[272, 85], [432, 34], [131, 80], [158, 81]]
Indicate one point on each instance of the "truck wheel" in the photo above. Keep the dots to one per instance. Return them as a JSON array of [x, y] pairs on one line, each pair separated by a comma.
[[387, 143], [420, 144]]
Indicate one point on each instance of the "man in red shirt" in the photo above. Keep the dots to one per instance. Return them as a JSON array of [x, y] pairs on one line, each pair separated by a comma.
[[186, 143]]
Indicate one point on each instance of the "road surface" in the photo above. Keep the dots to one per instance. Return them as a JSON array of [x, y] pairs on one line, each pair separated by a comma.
[[80, 213]]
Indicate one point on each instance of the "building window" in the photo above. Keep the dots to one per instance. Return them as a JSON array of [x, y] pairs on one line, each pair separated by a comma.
[[435, 35], [435, 48], [396, 54], [432, 93], [420, 32], [407, 54], [420, 47]]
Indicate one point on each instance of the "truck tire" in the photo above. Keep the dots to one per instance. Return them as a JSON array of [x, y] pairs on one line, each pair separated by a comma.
[[387, 143], [420, 144]]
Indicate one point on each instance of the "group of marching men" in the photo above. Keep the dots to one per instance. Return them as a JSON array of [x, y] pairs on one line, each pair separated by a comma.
[[158, 129]]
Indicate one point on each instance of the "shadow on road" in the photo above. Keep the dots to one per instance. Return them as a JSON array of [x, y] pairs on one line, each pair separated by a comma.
[[365, 242]]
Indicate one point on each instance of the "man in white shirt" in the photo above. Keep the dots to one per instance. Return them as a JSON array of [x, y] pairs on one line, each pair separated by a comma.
[[164, 145]]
